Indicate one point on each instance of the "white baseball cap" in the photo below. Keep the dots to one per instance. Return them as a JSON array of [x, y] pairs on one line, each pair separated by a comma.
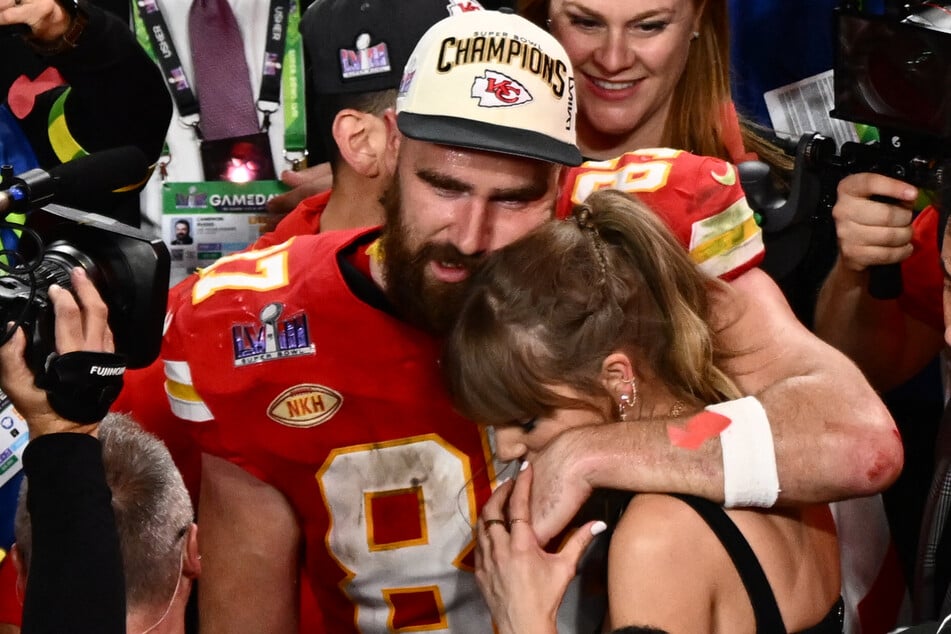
[[491, 80]]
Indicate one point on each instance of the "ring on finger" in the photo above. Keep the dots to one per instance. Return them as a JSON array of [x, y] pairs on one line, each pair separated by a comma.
[[490, 522]]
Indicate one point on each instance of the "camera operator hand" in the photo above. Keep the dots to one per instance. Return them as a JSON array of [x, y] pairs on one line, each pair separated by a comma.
[[79, 326], [873, 221], [47, 19]]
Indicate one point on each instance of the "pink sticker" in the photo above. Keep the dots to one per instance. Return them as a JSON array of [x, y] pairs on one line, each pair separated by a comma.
[[698, 430]]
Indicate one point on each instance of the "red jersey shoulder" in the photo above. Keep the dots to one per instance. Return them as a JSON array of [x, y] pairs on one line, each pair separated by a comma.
[[264, 287], [280, 270], [677, 185], [304, 219], [699, 198]]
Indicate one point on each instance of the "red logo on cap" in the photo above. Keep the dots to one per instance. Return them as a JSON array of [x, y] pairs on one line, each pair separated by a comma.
[[504, 90], [469, 6], [495, 89]]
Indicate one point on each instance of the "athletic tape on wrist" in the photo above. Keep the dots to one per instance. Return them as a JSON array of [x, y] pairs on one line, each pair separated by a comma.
[[750, 477]]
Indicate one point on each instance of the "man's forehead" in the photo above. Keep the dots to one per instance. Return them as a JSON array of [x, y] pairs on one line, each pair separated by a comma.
[[421, 155]]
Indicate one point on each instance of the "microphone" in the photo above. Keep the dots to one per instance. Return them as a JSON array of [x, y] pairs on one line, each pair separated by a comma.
[[98, 172]]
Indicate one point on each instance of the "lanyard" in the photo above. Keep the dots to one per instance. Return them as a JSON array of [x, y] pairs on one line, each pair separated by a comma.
[[283, 51]]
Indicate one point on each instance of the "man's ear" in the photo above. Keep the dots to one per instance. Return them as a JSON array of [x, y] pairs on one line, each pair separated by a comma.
[[191, 560], [616, 374], [393, 139], [14, 554], [361, 138]]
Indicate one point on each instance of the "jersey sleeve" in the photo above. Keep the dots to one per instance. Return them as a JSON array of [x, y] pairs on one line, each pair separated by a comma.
[[699, 198], [145, 398], [191, 325]]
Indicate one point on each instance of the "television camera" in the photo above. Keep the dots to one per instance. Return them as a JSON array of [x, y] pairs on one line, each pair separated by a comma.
[[129, 268], [892, 70]]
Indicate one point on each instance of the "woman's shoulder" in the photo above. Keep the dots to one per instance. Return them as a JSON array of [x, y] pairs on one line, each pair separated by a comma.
[[661, 552], [638, 532]]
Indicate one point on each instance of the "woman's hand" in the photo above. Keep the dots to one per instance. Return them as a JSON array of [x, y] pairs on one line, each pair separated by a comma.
[[522, 583]]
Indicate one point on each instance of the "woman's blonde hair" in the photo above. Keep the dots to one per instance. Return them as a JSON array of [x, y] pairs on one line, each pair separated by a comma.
[[548, 309]]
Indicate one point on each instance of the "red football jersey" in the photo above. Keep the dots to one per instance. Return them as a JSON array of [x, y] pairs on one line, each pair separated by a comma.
[[285, 370], [922, 275], [699, 197], [303, 220]]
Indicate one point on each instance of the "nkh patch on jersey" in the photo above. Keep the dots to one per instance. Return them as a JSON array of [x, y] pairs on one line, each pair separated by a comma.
[[305, 405], [698, 197]]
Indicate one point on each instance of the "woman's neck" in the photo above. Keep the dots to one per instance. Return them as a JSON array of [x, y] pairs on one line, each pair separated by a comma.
[[659, 401], [598, 145]]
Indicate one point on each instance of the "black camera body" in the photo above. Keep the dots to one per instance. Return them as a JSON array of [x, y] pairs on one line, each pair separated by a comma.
[[129, 269], [891, 71]]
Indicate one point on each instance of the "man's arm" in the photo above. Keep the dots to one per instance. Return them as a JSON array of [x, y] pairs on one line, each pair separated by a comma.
[[250, 545], [884, 341], [832, 434], [75, 563], [888, 345]]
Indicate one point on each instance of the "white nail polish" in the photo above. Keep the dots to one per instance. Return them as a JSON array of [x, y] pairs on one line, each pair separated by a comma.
[[598, 527], [523, 466]]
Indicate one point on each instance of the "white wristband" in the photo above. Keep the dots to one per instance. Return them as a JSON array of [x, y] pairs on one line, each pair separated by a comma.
[[750, 477]]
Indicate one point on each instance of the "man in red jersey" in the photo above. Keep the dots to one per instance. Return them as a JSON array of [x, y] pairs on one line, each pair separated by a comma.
[[307, 371], [342, 423]]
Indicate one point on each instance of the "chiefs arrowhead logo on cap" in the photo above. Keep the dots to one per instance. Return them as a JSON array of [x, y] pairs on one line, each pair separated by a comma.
[[495, 89]]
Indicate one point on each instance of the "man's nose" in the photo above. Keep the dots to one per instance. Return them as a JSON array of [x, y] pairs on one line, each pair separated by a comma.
[[473, 228]]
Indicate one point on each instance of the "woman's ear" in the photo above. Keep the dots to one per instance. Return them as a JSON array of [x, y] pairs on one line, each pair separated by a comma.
[[617, 373]]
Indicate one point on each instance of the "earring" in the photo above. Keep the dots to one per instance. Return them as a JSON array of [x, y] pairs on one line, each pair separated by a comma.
[[627, 401], [548, 23], [694, 35]]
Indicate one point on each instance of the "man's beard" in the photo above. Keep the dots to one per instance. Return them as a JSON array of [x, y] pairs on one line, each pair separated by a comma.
[[421, 300]]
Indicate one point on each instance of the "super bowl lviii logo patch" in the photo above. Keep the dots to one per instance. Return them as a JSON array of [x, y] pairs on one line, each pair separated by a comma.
[[364, 59], [305, 405], [275, 336], [495, 90]]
